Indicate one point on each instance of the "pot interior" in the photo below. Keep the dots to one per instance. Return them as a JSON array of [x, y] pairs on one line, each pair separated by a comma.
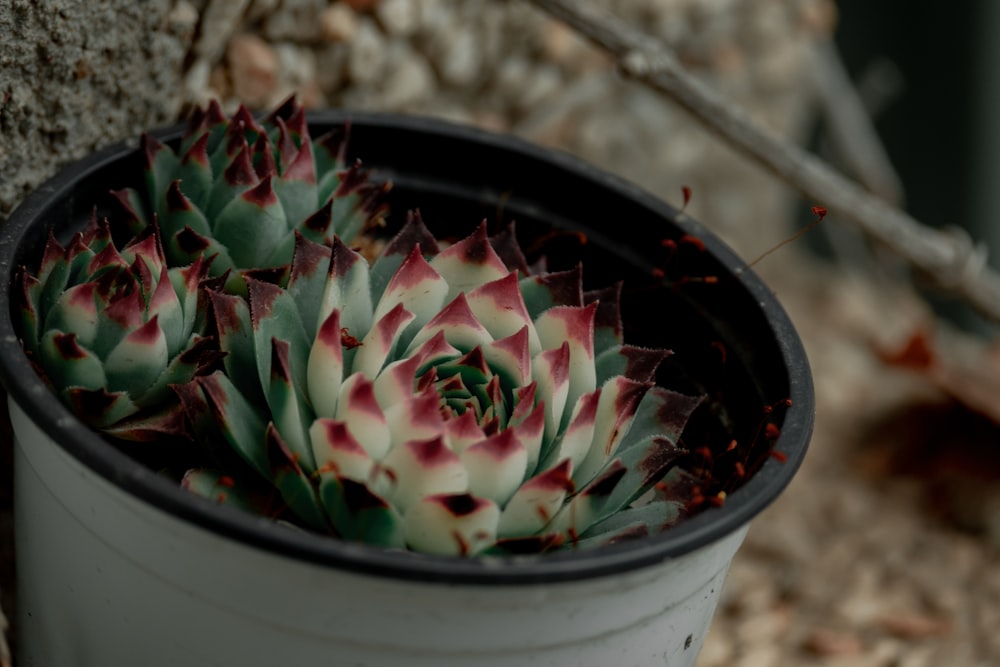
[[683, 290]]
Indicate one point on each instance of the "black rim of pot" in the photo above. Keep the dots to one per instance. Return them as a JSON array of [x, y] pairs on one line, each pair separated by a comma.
[[25, 387]]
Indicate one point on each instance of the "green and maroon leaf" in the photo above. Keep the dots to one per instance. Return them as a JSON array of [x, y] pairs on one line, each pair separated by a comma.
[[420, 468], [292, 482], [237, 420], [238, 132], [166, 422], [458, 324], [588, 505], [232, 327], [164, 304], [285, 142], [359, 515], [274, 314], [336, 451], [397, 380], [53, 276], [508, 248], [412, 235], [186, 281], [462, 431], [499, 306], [646, 463], [418, 417], [107, 258], [609, 332], [353, 212], [548, 290], [536, 502], [307, 280], [325, 368], [530, 429], [98, 408], [252, 225], [209, 120], [470, 263], [78, 255], [433, 351], [318, 227], [263, 157], [348, 290], [182, 213], [631, 523], [68, 364], [637, 363], [495, 410], [296, 187], [415, 285], [575, 326], [195, 172], [330, 150], [451, 524], [133, 209], [238, 176], [290, 415], [76, 312], [199, 355], [617, 407], [135, 363], [161, 164], [224, 490], [496, 466], [383, 338], [550, 370], [360, 411], [574, 441], [662, 413]]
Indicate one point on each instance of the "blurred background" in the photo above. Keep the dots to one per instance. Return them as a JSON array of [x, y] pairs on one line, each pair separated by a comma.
[[884, 550]]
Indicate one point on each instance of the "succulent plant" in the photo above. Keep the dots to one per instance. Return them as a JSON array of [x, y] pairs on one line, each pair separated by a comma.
[[113, 329], [240, 190], [441, 400]]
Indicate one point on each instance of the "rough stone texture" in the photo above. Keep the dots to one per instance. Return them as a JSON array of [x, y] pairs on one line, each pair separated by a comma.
[[75, 76]]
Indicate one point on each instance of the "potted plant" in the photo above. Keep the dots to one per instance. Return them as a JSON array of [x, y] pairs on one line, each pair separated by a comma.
[[450, 451]]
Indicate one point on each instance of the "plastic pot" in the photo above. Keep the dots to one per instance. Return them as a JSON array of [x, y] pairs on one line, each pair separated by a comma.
[[119, 566]]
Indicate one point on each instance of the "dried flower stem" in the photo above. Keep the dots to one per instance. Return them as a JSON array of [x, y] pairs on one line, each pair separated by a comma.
[[947, 256]]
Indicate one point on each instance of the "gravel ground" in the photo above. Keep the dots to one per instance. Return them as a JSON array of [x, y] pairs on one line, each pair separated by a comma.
[[856, 564]]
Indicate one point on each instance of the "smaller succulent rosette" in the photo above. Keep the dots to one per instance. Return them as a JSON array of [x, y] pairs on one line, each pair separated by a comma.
[[440, 400], [240, 190], [112, 329]]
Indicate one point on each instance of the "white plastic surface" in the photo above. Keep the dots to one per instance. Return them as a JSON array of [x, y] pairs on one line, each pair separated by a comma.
[[105, 580]]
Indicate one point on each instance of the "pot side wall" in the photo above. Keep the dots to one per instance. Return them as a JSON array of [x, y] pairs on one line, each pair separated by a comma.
[[107, 579]]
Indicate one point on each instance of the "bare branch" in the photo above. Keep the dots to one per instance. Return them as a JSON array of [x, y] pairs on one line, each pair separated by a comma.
[[947, 256]]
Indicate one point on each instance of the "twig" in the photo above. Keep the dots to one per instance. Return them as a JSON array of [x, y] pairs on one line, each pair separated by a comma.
[[947, 256]]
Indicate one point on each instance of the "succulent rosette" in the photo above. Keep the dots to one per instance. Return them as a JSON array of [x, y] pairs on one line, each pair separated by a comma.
[[440, 400], [112, 329], [240, 190]]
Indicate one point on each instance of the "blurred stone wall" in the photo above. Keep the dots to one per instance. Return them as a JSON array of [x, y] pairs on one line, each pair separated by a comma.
[[78, 75]]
